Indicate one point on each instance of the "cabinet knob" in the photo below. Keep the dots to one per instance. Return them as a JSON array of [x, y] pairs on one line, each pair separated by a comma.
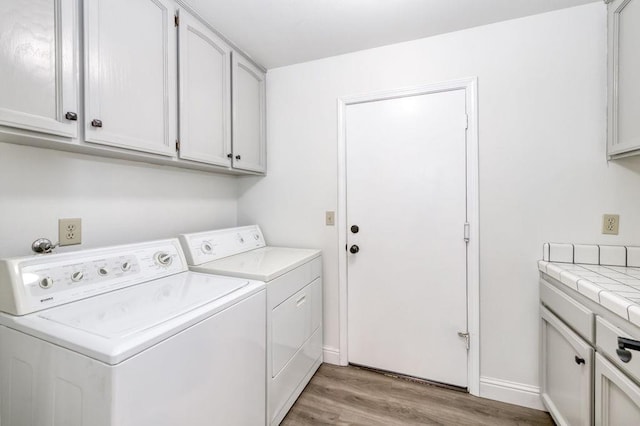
[[355, 229], [229, 155], [579, 360], [96, 123], [354, 249], [238, 157], [72, 116]]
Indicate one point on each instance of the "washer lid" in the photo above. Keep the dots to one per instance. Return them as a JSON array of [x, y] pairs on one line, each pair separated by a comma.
[[264, 264], [118, 315], [114, 326]]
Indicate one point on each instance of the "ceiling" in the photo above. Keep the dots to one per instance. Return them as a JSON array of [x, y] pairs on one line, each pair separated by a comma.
[[283, 32]]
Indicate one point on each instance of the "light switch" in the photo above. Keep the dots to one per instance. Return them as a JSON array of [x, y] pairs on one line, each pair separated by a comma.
[[330, 218]]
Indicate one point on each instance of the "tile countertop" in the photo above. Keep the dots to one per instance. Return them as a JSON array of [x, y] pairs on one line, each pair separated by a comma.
[[608, 275]]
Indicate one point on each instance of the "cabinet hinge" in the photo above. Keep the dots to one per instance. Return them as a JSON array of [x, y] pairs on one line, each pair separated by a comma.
[[467, 231], [176, 20], [466, 121], [466, 336], [177, 145]]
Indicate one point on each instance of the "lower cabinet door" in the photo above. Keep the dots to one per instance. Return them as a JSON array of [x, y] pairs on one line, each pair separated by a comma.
[[617, 397], [566, 372]]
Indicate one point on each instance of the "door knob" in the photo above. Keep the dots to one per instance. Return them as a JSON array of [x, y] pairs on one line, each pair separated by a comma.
[[355, 229], [354, 249]]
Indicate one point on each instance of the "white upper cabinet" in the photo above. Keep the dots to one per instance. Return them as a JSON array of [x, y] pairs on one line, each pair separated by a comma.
[[205, 94], [248, 97], [623, 79], [130, 74], [39, 66]]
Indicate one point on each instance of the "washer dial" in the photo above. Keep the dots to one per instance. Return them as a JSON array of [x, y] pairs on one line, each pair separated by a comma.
[[163, 258], [46, 282]]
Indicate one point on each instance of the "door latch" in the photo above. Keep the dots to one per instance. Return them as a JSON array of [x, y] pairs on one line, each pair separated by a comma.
[[466, 337]]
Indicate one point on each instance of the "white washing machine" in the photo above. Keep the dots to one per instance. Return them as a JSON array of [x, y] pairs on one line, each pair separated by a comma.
[[294, 303], [127, 336]]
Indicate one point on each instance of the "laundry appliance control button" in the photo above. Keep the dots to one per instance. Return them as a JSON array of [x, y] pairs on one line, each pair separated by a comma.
[[163, 258], [46, 282]]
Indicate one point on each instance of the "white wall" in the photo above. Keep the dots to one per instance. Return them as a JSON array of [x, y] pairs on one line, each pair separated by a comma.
[[118, 201], [543, 172]]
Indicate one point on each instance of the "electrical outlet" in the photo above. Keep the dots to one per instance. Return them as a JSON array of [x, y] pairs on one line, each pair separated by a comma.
[[330, 218], [610, 224], [69, 231]]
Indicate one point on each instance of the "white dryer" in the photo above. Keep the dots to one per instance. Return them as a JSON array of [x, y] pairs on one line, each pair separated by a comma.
[[294, 303], [127, 336]]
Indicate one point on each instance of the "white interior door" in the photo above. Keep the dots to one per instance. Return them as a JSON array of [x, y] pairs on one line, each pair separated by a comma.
[[406, 192]]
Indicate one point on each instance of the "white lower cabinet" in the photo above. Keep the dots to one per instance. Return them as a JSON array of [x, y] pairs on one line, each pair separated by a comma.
[[39, 68], [130, 74], [617, 397], [566, 372]]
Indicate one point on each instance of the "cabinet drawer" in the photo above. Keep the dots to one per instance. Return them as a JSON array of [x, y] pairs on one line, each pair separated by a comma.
[[607, 342], [575, 315]]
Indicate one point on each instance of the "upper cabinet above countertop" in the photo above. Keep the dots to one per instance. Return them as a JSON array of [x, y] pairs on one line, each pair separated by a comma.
[[623, 130], [160, 85]]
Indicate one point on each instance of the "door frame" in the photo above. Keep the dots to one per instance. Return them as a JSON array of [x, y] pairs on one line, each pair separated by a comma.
[[469, 85]]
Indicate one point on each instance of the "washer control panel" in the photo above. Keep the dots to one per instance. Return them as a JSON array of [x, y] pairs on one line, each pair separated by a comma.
[[37, 282], [207, 246]]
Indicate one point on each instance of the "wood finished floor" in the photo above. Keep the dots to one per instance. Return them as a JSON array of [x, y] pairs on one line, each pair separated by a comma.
[[355, 396]]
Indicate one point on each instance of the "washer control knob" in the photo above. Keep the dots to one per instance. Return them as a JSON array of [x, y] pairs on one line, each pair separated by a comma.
[[125, 266], [163, 258], [46, 282], [77, 276], [103, 271], [207, 247]]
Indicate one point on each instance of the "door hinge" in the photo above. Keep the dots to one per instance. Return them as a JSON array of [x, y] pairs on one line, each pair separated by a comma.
[[176, 20], [466, 337], [177, 145], [467, 231]]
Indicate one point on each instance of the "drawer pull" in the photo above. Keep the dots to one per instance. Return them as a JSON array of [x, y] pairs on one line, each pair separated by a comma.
[[623, 345], [301, 300], [579, 360]]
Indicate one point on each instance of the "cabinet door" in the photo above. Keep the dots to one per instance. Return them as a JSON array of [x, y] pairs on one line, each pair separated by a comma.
[[39, 66], [130, 74], [205, 94], [624, 80], [617, 397], [249, 113], [566, 372]]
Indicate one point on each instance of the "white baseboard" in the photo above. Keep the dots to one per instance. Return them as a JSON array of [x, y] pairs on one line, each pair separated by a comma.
[[511, 392], [331, 355]]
